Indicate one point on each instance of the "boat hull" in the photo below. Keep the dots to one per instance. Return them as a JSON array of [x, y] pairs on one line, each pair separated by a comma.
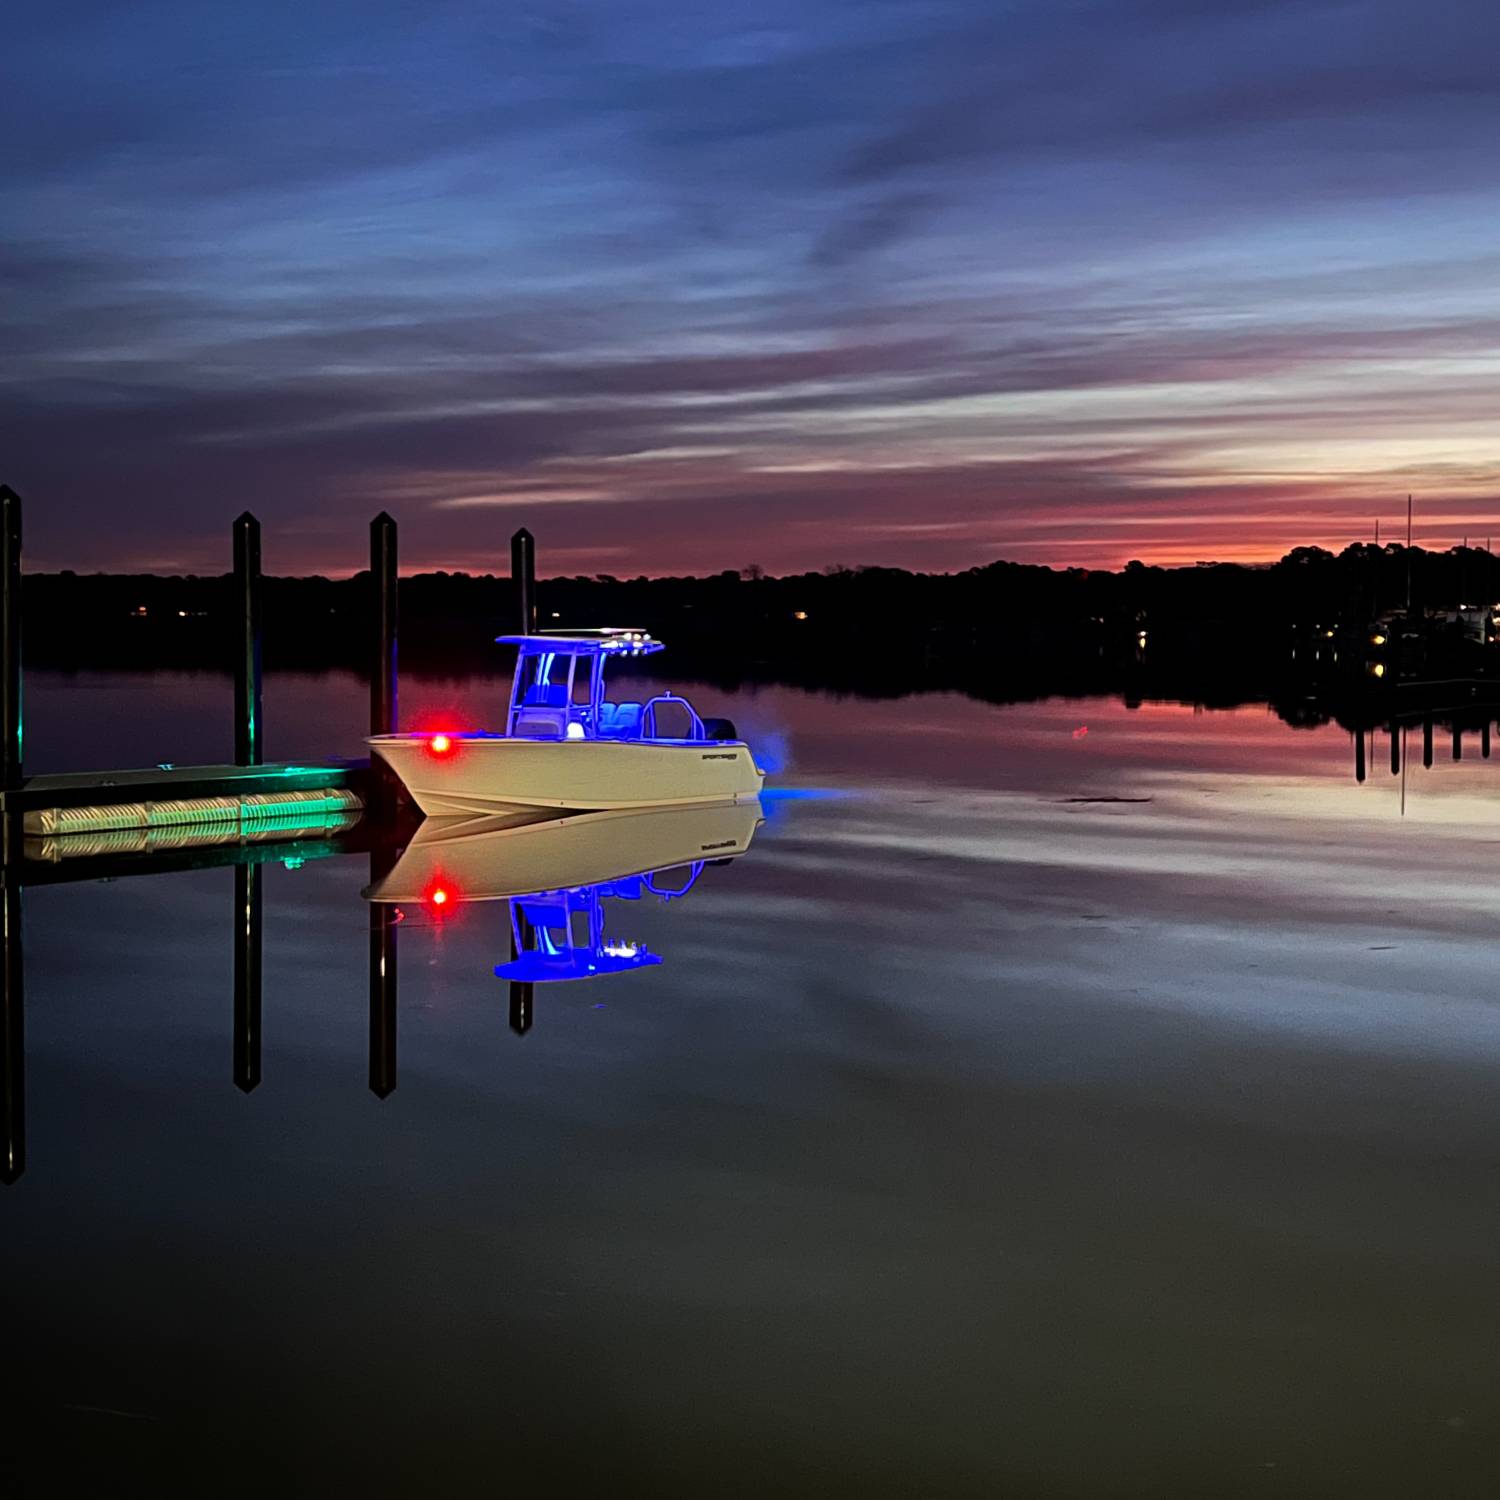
[[499, 774], [493, 859]]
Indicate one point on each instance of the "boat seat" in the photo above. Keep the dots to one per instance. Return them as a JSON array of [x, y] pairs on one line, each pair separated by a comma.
[[620, 721], [539, 723], [544, 914]]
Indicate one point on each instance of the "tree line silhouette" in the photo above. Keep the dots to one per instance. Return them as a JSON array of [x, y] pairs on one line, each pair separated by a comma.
[[866, 629]]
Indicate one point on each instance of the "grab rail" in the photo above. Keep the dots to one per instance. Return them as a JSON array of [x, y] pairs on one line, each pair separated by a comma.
[[695, 869], [648, 717]]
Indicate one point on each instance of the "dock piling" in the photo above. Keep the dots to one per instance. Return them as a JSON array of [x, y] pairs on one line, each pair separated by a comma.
[[247, 701], [384, 788], [247, 972], [1395, 734], [1359, 755], [523, 575], [1427, 743], [10, 639], [383, 580]]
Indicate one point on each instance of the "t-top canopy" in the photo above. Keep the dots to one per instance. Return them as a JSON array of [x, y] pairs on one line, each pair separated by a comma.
[[610, 642], [540, 967]]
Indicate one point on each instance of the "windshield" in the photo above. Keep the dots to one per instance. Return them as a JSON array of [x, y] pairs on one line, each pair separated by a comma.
[[555, 680]]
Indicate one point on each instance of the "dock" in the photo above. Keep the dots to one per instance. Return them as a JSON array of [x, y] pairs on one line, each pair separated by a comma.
[[247, 794], [166, 786], [58, 828]]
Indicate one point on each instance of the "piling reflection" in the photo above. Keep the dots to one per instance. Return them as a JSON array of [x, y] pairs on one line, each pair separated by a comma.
[[87, 858], [383, 981], [12, 1034], [1471, 722], [522, 995], [248, 905]]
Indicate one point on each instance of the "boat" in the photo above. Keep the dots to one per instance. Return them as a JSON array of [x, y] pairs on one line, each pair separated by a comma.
[[566, 746]]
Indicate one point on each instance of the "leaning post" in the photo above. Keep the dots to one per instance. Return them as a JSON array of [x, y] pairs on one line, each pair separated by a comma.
[[523, 575], [247, 702], [10, 639]]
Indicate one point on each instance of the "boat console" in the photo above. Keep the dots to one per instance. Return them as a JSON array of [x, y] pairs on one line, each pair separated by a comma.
[[558, 691]]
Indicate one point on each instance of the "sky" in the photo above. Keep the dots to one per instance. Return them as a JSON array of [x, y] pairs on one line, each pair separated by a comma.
[[795, 283]]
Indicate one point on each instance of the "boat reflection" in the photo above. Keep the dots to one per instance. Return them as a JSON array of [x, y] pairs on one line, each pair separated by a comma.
[[450, 860], [556, 874]]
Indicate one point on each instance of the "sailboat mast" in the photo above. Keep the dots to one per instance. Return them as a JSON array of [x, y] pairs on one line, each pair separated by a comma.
[[1408, 554]]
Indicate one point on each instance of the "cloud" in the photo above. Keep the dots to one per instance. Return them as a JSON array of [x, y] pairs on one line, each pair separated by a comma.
[[924, 280], [871, 227]]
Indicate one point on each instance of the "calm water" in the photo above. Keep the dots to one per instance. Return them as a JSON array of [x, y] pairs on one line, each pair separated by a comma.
[[970, 1139]]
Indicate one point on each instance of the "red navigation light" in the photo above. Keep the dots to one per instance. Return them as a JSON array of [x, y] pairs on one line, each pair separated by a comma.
[[440, 744], [439, 897]]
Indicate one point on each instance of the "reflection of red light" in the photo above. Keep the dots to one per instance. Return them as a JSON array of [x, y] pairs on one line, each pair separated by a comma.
[[440, 744], [1081, 731]]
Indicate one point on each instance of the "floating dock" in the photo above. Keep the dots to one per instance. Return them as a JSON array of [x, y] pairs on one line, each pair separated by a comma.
[[224, 803], [171, 796]]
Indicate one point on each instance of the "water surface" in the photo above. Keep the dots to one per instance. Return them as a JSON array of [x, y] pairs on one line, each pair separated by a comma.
[[1058, 1099]]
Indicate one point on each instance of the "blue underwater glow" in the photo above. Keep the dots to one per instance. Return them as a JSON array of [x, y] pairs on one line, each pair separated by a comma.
[[772, 751], [804, 794], [774, 802]]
